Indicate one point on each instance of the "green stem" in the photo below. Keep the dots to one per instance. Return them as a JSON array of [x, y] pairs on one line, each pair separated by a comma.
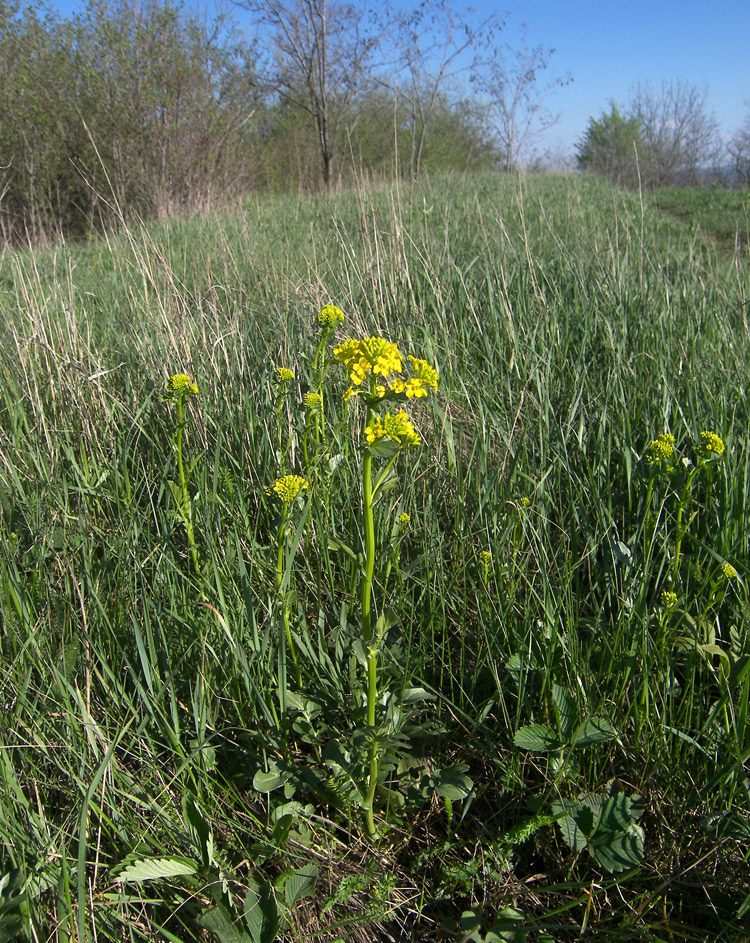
[[367, 631], [284, 605], [185, 510]]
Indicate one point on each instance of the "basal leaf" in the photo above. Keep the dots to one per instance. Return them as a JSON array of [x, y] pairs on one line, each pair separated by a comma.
[[538, 737]]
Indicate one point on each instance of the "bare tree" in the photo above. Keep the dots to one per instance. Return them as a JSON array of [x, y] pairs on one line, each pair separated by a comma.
[[739, 150], [320, 52], [433, 43], [681, 135], [510, 84]]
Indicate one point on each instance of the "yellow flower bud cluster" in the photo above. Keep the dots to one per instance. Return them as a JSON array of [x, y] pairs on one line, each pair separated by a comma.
[[288, 487], [710, 444], [181, 381], [284, 374], [330, 315], [312, 400], [662, 452], [729, 571], [668, 599], [398, 427]]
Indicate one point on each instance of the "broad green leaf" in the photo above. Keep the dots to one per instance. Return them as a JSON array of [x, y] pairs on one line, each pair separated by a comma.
[[618, 851], [452, 782], [157, 868], [300, 884], [219, 921], [261, 912], [593, 730], [538, 737], [566, 710]]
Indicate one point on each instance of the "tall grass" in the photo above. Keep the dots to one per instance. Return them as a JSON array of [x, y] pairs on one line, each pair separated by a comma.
[[145, 712]]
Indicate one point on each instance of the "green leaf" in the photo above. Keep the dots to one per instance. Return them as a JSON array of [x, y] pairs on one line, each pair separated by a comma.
[[140, 869], [219, 921], [538, 737], [593, 730], [273, 779], [566, 710], [261, 912], [383, 448], [300, 884], [452, 782]]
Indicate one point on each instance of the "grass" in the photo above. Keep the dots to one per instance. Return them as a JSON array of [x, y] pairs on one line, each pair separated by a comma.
[[163, 775], [721, 215]]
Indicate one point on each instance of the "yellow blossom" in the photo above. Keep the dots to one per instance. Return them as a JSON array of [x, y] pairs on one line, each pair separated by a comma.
[[312, 400], [181, 381], [668, 599], [710, 444], [427, 375], [662, 452], [729, 571], [331, 315], [283, 374], [288, 487], [404, 519], [373, 355]]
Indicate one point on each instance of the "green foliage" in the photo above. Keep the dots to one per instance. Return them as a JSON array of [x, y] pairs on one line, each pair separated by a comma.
[[149, 721], [614, 147], [605, 825]]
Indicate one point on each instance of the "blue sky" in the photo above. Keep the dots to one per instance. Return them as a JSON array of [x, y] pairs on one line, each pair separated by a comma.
[[608, 47]]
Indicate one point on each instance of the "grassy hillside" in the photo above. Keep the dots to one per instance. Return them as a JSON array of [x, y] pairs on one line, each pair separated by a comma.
[[542, 725]]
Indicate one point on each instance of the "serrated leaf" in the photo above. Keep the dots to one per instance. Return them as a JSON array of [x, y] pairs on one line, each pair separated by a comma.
[[618, 851], [566, 710], [154, 869], [300, 884], [452, 783], [219, 921], [261, 912], [538, 737], [593, 730]]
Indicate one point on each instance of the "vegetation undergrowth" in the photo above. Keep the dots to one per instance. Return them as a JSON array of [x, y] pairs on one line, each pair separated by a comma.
[[293, 651]]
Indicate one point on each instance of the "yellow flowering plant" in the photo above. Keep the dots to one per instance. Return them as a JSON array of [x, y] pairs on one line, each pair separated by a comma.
[[287, 490], [376, 370]]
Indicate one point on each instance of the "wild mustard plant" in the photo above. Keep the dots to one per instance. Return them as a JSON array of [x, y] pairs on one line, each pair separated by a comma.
[[329, 318], [286, 489], [179, 388], [284, 376], [375, 367]]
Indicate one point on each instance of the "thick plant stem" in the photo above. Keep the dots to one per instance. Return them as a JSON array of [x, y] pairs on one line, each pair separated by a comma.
[[367, 631], [284, 606], [186, 512]]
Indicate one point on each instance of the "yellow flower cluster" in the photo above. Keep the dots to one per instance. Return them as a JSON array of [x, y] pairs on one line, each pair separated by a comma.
[[373, 355], [181, 381], [668, 599], [398, 427], [330, 315], [711, 444], [404, 519], [312, 400], [283, 374], [288, 487], [729, 571], [662, 452], [380, 358]]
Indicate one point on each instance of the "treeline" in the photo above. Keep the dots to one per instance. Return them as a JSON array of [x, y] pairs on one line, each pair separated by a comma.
[[665, 137], [137, 108]]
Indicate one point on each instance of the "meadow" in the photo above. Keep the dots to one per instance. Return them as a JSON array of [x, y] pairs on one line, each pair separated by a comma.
[[273, 669]]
